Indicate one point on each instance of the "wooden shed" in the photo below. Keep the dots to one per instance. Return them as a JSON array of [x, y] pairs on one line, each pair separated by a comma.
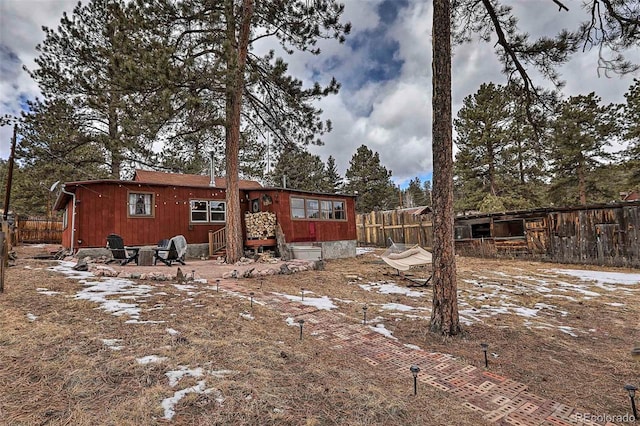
[[155, 206], [604, 234]]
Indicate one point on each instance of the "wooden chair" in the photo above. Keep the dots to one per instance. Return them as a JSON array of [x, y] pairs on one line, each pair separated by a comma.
[[120, 252], [166, 253]]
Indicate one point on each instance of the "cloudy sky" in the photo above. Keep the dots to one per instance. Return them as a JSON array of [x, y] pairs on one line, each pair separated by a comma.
[[384, 68]]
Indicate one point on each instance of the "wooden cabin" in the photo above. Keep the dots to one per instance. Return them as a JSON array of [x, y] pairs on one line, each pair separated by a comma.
[[156, 205]]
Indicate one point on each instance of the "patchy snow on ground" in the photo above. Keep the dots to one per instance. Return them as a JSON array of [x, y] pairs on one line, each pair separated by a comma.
[[171, 331], [113, 344], [174, 376], [292, 322], [149, 359], [246, 316], [364, 250], [499, 293], [601, 277], [397, 307], [169, 404], [108, 292], [389, 287], [323, 302], [31, 317], [380, 328]]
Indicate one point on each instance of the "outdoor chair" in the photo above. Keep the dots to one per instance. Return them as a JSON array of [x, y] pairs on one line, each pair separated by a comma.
[[120, 252], [169, 251], [403, 257]]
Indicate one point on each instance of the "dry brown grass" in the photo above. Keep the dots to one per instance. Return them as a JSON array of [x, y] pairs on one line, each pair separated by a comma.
[[56, 370]]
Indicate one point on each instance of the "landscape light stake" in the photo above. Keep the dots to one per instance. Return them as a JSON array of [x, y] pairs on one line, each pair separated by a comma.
[[484, 349], [302, 291], [193, 274], [217, 285], [415, 370], [632, 394], [301, 322], [364, 313], [251, 297], [261, 281]]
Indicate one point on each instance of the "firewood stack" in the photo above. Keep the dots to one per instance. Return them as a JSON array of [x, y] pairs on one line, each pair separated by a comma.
[[261, 225]]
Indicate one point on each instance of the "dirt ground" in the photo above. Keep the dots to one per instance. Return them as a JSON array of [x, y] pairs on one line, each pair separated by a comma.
[[74, 354]]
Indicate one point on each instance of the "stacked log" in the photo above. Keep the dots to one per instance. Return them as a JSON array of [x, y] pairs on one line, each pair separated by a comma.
[[261, 225]]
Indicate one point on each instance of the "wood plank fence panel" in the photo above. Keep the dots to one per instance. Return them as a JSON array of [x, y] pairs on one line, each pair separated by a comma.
[[376, 228], [39, 230]]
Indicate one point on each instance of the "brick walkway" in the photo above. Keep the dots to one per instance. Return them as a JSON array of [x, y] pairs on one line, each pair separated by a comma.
[[499, 399]]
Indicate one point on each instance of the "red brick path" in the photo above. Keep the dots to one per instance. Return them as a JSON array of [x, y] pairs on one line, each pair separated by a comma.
[[499, 399]]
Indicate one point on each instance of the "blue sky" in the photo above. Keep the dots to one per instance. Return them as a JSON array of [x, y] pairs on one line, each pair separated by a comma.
[[384, 68]]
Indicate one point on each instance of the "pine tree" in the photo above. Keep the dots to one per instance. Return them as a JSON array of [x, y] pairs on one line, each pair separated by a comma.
[[482, 138], [301, 170], [417, 193], [216, 41], [367, 177], [333, 179], [97, 60], [631, 116], [581, 132], [501, 161], [426, 187]]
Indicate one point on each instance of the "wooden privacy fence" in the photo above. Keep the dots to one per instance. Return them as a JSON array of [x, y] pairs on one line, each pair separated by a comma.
[[38, 230], [375, 228]]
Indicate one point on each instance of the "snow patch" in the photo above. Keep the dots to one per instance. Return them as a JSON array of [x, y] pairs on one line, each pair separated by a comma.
[[151, 359]]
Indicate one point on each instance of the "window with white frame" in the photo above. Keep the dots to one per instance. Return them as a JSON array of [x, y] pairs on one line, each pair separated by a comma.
[[207, 211], [314, 208], [140, 204], [217, 211]]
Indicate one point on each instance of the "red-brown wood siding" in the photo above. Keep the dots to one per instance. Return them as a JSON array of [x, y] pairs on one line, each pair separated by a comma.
[[101, 209], [298, 230]]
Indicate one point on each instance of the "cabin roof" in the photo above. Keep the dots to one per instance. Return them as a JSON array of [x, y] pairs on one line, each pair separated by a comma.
[[179, 179]]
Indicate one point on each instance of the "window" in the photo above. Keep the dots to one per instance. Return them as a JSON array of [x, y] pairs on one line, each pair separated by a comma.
[[508, 228], [65, 218], [462, 232], [205, 211], [218, 210], [326, 209], [313, 208], [199, 211], [481, 230], [140, 204], [338, 210], [297, 208]]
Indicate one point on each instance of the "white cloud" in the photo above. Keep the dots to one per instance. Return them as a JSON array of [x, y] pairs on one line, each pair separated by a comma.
[[384, 105]]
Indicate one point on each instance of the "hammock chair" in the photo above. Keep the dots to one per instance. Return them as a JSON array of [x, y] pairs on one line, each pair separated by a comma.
[[404, 256]]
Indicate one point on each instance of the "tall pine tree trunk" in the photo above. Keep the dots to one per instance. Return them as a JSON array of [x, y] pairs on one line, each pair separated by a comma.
[[444, 315], [492, 169], [237, 51], [114, 144], [582, 183]]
